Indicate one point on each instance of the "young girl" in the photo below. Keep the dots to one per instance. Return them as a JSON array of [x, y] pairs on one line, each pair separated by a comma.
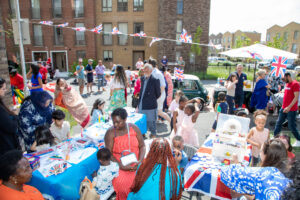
[[186, 130], [107, 172], [230, 86], [36, 78], [287, 142], [178, 115], [175, 103], [43, 138], [259, 98], [258, 135], [97, 110]]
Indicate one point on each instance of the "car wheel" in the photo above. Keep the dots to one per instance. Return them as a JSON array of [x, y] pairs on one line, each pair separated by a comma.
[[201, 105]]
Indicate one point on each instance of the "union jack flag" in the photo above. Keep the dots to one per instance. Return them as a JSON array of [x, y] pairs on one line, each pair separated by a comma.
[[178, 73], [184, 37], [141, 34], [97, 29], [115, 31], [278, 66], [46, 22], [79, 29], [255, 55], [155, 39], [63, 25]]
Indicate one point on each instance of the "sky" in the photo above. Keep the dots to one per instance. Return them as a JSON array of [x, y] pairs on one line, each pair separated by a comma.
[[254, 15]]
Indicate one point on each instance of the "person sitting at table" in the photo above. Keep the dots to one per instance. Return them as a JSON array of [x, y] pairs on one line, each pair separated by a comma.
[[119, 139], [60, 128], [97, 110], [107, 172], [15, 171], [292, 192], [43, 139], [265, 182], [36, 110], [177, 144], [158, 177]]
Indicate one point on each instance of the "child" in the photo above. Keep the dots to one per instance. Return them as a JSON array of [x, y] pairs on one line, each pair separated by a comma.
[[107, 172], [258, 135], [287, 142], [97, 110], [178, 115], [186, 129], [221, 107], [175, 103], [259, 98], [60, 129], [242, 112], [177, 144], [43, 139], [230, 86]]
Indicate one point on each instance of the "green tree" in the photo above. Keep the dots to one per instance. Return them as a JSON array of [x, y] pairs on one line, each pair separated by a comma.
[[242, 41], [195, 48], [279, 43]]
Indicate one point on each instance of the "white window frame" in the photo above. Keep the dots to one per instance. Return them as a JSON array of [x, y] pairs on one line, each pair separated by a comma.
[[60, 51]]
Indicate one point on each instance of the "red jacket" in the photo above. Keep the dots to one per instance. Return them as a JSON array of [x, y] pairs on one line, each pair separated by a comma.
[[17, 81], [43, 71]]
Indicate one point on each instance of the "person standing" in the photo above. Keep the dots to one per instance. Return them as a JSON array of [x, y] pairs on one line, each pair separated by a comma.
[[16, 80], [139, 64], [13, 63], [164, 62], [289, 108], [80, 75], [89, 74], [128, 76], [259, 98], [149, 94], [239, 89], [181, 63], [36, 79], [100, 68], [43, 70]]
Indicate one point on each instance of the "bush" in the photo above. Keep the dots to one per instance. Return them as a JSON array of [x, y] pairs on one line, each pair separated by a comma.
[[84, 63]]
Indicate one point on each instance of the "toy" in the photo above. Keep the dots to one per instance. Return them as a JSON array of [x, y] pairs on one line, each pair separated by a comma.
[[58, 168], [226, 162], [34, 161]]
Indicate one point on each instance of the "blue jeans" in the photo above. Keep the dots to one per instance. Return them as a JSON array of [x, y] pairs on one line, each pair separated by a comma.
[[100, 78], [239, 99], [230, 103], [152, 127], [291, 116]]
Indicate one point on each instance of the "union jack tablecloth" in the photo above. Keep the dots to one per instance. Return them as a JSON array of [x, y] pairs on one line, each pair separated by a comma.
[[202, 173]]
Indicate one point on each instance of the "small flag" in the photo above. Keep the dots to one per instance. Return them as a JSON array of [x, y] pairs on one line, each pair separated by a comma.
[[63, 25], [141, 34], [184, 37], [115, 31], [178, 73], [46, 22], [97, 29], [278, 67], [79, 29], [212, 45], [154, 40], [255, 55]]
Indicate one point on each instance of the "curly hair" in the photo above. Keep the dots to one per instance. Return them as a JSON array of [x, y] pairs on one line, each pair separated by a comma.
[[293, 191], [160, 153], [9, 164]]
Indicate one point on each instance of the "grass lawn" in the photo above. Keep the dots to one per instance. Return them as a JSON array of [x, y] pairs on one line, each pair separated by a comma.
[[213, 72]]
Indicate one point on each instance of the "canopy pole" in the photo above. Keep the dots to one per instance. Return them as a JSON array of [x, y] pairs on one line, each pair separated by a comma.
[[254, 73]]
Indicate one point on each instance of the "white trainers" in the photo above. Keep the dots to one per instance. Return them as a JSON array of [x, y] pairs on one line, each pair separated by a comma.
[[298, 117], [296, 144]]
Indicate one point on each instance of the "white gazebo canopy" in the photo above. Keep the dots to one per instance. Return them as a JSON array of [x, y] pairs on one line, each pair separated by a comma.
[[267, 53]]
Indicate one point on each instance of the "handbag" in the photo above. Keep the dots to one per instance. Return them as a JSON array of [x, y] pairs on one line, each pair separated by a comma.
[[87, 190], [135, 100], [129, 158]]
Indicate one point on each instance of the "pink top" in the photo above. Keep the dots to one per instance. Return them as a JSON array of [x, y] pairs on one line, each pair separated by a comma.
[[137, 86], [174, 105], [259, 137], [180, 117]]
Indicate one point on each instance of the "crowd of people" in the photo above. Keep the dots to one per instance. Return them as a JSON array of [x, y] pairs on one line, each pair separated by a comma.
[[44, 121]]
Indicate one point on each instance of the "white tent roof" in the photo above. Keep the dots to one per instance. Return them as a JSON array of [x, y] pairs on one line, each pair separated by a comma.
[[266, 52]]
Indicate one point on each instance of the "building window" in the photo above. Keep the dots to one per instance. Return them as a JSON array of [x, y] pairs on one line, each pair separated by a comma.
[[123, 28], [56, 8], [229, 39], [137, 28], [80, 37], [296, 33], [58, 36], [192, 58], [278, 35], [37, 35], [35, 9], [138, 5], [268, 37], [40, 55], [107, 56], [178, 31], [228, 47], [224, 40], [286, 35], [78, 8], [80, 54], [178, 54], [179, 7], [12, 8], [107, 38], [106, 5], [122, 5], [294, 48]]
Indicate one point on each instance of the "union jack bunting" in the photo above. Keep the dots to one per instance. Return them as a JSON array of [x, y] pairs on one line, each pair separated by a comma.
[[154, 40], [178, 73], [184, 37], [97, 29], [63, 25], [79, 29], [115, 31], [141, 34], [255, 55], [46, 22], [278, 67]]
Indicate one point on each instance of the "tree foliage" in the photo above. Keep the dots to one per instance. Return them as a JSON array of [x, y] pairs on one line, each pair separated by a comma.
[[279, 43], [242, 41], [195, 48]]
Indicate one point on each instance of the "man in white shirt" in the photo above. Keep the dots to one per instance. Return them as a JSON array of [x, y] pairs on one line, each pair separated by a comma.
[[128, 76], [139, 64], [160, 101]]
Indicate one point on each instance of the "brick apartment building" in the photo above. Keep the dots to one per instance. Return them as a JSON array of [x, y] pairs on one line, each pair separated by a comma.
[[62, 45], [229, 39]]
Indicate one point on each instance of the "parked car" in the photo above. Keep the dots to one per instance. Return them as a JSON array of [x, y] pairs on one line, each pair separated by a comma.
[[264, 63], [192, 87]]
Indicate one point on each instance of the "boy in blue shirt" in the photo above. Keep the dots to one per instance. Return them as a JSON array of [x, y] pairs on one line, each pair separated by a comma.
[[177, 144], [221, 107]]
